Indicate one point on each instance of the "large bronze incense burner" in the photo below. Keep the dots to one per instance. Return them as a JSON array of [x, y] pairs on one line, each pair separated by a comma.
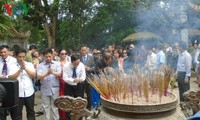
[[159, 111], [138, 96]]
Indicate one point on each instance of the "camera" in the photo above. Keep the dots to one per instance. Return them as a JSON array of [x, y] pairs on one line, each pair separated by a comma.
[[9, 91]]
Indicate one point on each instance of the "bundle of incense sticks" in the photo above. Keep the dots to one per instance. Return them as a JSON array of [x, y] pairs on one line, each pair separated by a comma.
[[119, 86], [167, 77]]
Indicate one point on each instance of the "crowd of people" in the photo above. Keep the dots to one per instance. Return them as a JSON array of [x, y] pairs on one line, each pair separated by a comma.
[[60, 72]]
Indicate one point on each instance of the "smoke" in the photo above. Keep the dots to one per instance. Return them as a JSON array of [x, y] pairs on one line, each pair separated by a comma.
[[164, 18]]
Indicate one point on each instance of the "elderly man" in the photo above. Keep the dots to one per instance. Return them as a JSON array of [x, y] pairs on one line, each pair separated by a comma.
[[88, 61]]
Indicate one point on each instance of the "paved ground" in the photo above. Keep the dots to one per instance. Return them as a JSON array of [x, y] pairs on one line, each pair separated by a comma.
[[193, 86]]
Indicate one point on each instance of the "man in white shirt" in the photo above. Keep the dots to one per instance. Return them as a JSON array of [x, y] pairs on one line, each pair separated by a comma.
[[24, 72], [161, 58], [183, 70], [75, 88], [7, 60], [74, 74], [197, 61], [151, 60]]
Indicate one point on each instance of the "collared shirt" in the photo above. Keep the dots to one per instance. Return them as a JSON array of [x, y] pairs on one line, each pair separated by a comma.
[[9, 61], [184, 63], [196, 57], [161, 59], [68, 71], [84, 59], [50, 84], [68, 58], [151, 60], [25, 81]]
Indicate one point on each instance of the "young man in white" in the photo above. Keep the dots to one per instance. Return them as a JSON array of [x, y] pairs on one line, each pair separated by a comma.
[[24, 72]]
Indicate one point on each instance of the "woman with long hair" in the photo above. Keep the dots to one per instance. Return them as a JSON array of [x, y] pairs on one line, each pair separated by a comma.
[[64, 58]]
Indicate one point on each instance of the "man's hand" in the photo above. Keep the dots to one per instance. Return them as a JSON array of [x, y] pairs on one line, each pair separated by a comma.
[[22, 65], [108, 68], [50, 71], [87, 68], [186, 80], [77, 80], [3, 76]]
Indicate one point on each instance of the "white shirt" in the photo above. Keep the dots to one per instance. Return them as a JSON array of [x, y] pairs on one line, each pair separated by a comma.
[[26, 88], [160, 59], [68, 58], [151, 60], [68, 71], [196, 57], [184, 63], [9, 61]]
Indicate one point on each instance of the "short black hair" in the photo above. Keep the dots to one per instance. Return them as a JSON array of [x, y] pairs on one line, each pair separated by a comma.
[[48, 50], [75, 57], [32, 47], [83, 45], [21, 50], [4, 46], [59, 51], [183, 45]]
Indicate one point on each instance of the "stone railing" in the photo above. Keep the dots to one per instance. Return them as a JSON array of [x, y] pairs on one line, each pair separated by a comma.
[[76, 107]]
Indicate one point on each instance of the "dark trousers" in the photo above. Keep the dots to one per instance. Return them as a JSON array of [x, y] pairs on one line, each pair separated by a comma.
[[74, 91], [13, 113], [28, 102], [88, 92], [183, 87], [3, 114]]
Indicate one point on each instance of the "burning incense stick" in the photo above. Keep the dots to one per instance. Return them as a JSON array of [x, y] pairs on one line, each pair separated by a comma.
[[121, 87]]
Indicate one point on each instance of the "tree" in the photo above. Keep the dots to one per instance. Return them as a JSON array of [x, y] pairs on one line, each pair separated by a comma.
[[6, 26], [45, 14], [114, 19], [75, 15], [4, 22]]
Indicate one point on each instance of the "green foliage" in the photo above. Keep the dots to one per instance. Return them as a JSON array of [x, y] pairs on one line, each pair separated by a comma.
[[111, 24], [95, 25], [98, 22], [4, 22]]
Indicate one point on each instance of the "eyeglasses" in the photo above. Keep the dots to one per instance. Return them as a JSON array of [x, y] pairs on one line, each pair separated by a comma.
[[124, 52], [63, 53]]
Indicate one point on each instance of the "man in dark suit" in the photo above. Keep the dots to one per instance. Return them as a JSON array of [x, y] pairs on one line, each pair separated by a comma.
[[88, 61], [106, 64]]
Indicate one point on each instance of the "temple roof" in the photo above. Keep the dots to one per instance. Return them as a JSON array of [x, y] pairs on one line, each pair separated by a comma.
[[20, 35]]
